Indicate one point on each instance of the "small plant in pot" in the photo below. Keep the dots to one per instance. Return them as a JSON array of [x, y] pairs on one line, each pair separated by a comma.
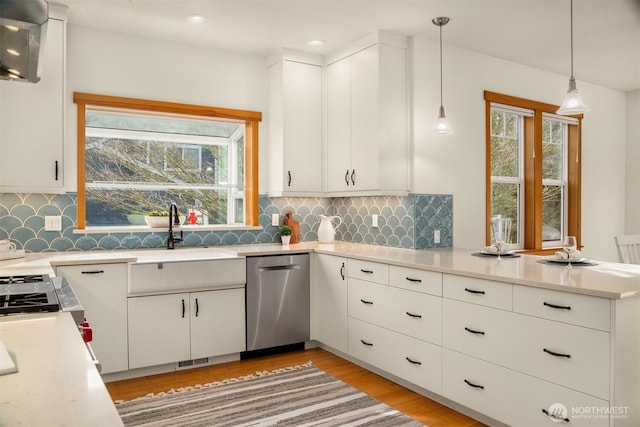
[[285, 232]]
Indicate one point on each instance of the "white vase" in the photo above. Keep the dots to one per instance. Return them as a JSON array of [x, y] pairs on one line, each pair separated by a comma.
[[285, 240]]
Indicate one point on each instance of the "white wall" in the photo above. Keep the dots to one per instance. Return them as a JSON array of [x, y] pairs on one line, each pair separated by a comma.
[[108, 63], [455, 164], [632, 188]]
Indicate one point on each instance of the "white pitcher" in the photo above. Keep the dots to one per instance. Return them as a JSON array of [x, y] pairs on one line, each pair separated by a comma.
[[326, 231]]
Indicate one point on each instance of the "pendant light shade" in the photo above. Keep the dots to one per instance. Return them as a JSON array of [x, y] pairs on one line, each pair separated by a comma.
[[441, 126], [573, 103]]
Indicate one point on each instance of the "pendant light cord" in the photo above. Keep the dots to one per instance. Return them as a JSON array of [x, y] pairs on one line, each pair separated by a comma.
[[441, 64], [571, 38]]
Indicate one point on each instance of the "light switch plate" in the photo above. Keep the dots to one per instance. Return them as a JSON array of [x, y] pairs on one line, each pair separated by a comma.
[[436, 236], [53, 223], [275, 220], [374, 221]]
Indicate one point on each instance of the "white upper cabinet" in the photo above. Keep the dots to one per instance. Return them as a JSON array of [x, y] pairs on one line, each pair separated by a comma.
[[32, 123], [367, 141], [295, 125]]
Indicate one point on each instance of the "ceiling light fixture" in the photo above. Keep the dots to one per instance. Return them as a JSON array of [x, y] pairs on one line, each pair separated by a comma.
[[316, 43], [573, 103], [13, 52], [442, 126], [12, 28], [197, 19]]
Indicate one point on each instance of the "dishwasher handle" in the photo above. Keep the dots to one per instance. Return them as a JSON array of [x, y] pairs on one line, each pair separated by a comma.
[[280, 267]]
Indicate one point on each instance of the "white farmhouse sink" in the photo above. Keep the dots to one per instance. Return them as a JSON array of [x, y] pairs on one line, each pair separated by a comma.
[[185, 270]]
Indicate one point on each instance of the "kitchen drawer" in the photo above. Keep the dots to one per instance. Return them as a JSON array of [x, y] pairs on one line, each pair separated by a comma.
[[428, 282], [156, 278], [413, 360], [368, 301], [582, 310], [410, 313], [478, 331], [478, 291], [581, 360], [512, 397], [366, 342], [369, 271], [415, 314]]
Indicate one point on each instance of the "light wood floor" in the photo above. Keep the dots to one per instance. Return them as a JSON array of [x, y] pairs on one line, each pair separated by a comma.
[[406, 401]]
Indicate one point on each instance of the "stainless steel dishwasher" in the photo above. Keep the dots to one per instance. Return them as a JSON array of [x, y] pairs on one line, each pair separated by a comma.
[[278, 300]]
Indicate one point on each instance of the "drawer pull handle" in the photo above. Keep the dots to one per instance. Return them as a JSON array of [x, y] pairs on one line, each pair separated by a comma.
[[555, 416], [553, 353], [366, 343], [419, 316], [364, 301], [415, 362], [473, 291], [474, 385], [197, 307], [183, 309], [560, 307], [93, 272], [413, 280], [366, 271], [473, 331], [342, 271]]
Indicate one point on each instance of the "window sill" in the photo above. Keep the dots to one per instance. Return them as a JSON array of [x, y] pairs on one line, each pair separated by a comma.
[[147, 229]]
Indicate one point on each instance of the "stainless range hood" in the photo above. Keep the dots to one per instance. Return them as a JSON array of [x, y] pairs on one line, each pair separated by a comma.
[[23, 27]]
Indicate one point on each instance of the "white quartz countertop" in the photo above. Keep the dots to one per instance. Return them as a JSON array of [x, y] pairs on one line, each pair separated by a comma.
[[607, 280], [56, 383]]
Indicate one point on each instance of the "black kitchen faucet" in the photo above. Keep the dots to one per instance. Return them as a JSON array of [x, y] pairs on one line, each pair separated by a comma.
[[174, 219]]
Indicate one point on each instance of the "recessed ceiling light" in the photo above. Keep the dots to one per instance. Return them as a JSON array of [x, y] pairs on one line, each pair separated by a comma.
[[316, 43], [197, 19], [12, 71], [12, 28], [13, 52]]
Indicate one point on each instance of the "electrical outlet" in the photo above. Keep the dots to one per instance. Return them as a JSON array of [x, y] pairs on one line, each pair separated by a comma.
[[53, 223], [374, 221], [436, 236], [275, 220]]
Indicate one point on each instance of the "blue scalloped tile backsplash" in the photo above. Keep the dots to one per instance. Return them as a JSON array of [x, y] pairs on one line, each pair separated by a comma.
[[403, 221]]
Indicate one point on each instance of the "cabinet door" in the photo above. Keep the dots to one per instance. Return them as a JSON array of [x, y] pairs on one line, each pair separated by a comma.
[[365, 154], [217, 323], [32, 123], [339, 125], [102, 290], [158, 330], [302, 119], [330, 301]]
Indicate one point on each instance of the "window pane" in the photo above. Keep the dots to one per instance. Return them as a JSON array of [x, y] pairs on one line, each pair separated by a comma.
[[552, 212], [133, 168], [505, 202], [505, 144], [552, 150]]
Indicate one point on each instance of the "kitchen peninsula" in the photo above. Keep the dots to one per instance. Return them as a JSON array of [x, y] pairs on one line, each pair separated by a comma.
[[475, 329]]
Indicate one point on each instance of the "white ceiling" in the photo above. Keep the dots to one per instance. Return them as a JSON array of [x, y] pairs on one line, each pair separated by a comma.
[[530, 32]]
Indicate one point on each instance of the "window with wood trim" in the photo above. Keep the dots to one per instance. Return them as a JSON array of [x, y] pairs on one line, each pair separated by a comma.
[[137, 156], [533, 174]]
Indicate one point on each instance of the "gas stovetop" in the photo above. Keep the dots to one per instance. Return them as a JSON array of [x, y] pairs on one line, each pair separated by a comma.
[[27, 294]]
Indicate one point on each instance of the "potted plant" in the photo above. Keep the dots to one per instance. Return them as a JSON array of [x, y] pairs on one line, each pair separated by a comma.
[[157, 219], [285, 234]]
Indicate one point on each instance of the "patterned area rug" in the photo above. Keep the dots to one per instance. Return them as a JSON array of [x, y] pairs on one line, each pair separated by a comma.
[[301, 395]]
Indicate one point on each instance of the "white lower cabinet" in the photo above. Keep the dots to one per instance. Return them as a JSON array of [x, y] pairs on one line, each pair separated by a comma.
[[515, 398], [102, 290], [411, 359], [175, 327], [330, 301]]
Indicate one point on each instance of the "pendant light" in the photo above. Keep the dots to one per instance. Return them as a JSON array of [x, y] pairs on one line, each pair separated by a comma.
[[573, 103], [441, 125]]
